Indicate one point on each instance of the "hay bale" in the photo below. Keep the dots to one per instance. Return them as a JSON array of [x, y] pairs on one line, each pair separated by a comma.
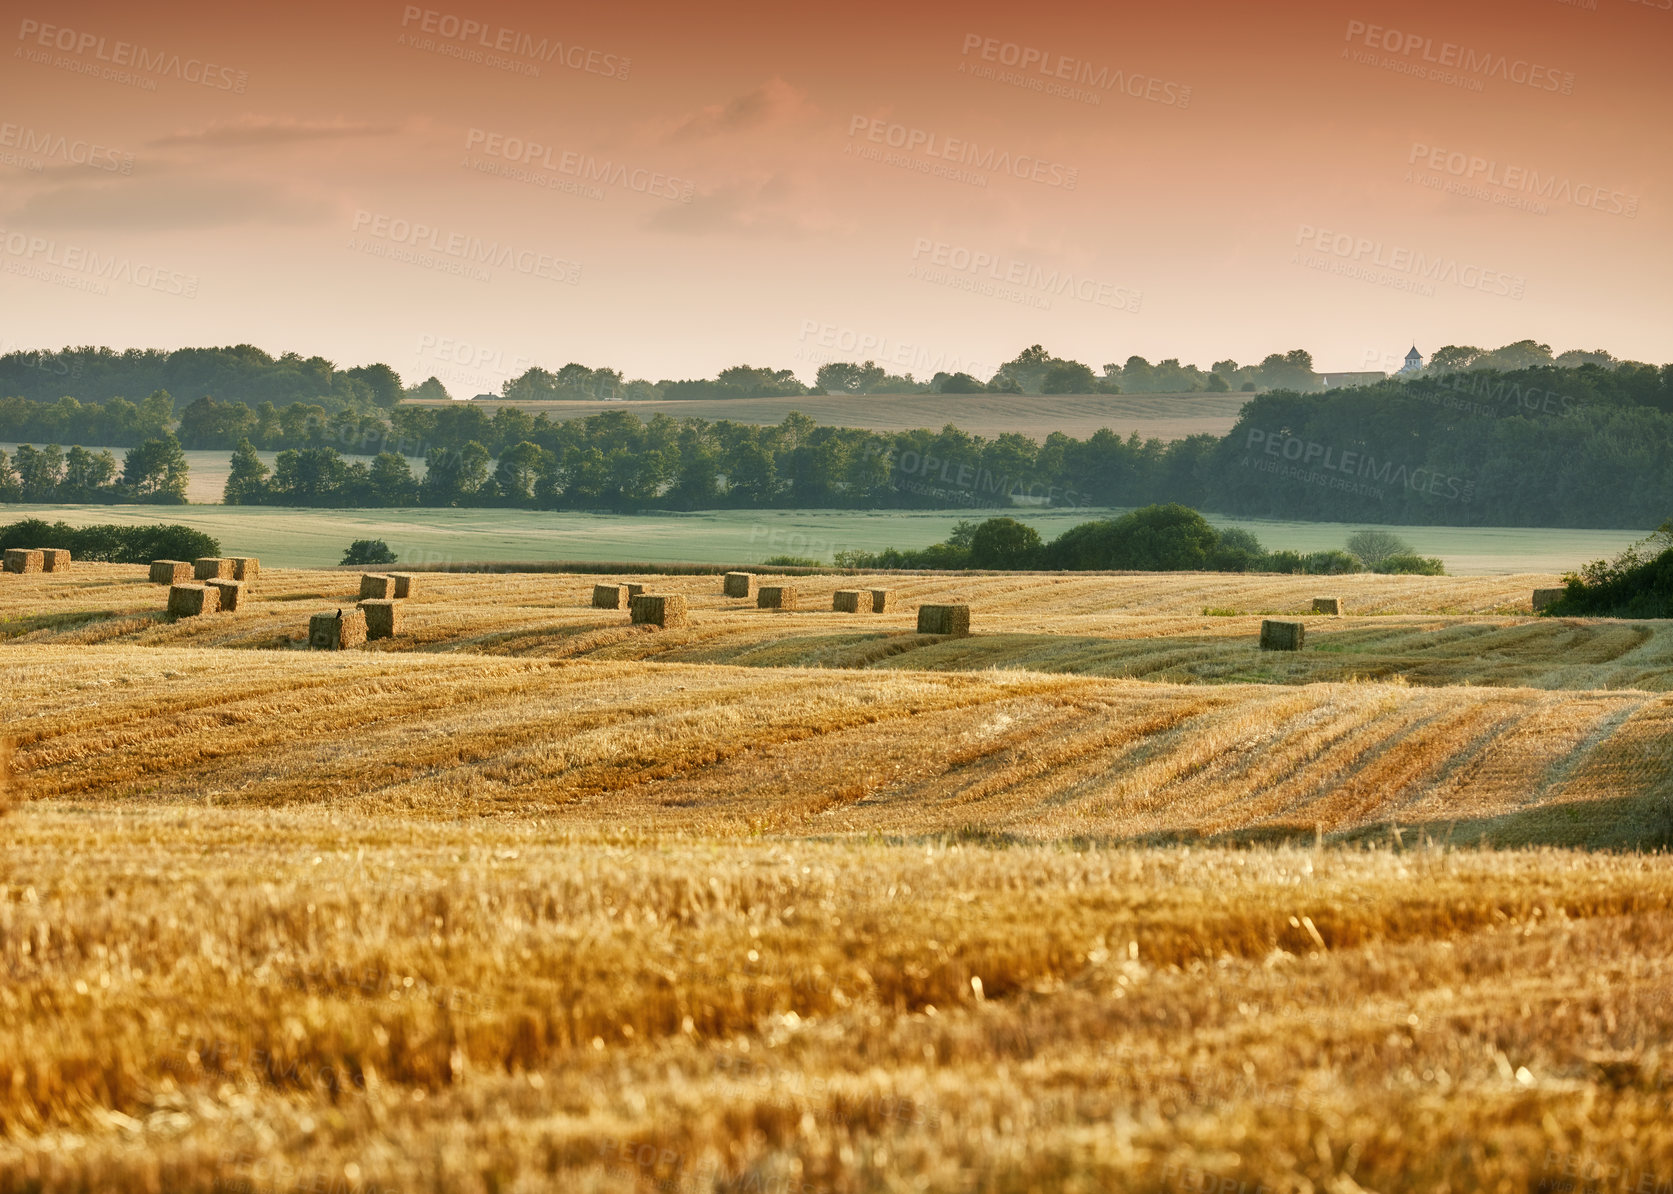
[[1546, 597], [340, 631], [882, 601], [231, 591], [943, 619], [245, 568], [634, 590], [170, 572], [737, 584], [383, 618], [403, 584], [55, 559], [25, 559], [1327, 605], [846, 601], [610, 597], [659, 609], [189, 601], [1283, 636], [376, 585], [776, 597], [212, 568]]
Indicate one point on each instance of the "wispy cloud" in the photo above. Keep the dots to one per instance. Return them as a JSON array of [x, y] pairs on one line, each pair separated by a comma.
[[255, 131]]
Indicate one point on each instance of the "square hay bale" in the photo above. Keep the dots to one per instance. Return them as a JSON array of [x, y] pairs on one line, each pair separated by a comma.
[[943, 619], [383, 618], [634, 590], [245, 568], [212, 568], [659, 609], [337, 632], [846, 601], [376, 585], [1282, 636], [1545, 597], [775, 597], [55, 559], [1327, 605], [25, 559], [882, 601], [170, 572], [189, 601], [737, 584], [610, 597], [231, 591], [403, 584]]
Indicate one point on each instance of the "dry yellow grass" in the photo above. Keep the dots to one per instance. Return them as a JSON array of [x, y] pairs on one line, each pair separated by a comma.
[[544, 901]]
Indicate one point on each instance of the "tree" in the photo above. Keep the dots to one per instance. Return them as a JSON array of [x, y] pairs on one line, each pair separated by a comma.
[[1137, 376], [845, 377], [453, 477], [382, 381], [1217, 384], [1069, 377], [10, 490], [429, 390], [391, 480], [1005, 543], [1166, 538], [87, 476], [40, 472], [518, 469], [247, 479], [1373, 547], [369, 551], [1452, 358], [955, 383], [156, 471]]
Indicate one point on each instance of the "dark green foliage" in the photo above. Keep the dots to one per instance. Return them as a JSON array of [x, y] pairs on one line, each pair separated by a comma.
[[1169, 538], [112, 544], [1638, 583], [369, 551], [1410, 564], [1005, 543]]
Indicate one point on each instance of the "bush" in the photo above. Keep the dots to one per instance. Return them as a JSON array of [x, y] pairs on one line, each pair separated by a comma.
[[1170, 538], [1316, 563], [1005, 543], [1408, 564], [1236, 551], [1638, 583], [369, 551], [1373, 546], [111, 544], [793, 562]]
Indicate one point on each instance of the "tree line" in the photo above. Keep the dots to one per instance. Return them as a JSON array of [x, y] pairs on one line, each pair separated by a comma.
[[153, 471]]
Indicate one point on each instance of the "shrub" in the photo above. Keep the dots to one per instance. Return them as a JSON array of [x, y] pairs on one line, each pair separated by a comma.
[[1005, 543], [1638, 583], [111, 544], [369, 551], [1409, 564], [793, 562], [1237, 550], [1375, 546], [1170, 538]]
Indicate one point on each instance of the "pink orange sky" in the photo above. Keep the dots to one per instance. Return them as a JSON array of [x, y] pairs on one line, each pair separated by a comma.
[[669, 189]]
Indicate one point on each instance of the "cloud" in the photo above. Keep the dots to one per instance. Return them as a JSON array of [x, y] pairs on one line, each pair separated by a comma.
[[777, 204], [167, 201], [774, 102], [255, 131]]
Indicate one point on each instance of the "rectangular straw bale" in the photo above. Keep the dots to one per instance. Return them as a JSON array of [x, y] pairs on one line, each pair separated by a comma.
[[634, 590], [212, 568], [1327, 605], [55, 559], [170, 572], [245, 568], [25, 559], [383, 618], [337, 631], [882, 601], [737, 584], [189, 601], [403, 584], [659, 609], [776, 597], [943, 619], [609, 596], [1282, 636], [847, 601], [1545, 597], [376, 585], [231, 591]]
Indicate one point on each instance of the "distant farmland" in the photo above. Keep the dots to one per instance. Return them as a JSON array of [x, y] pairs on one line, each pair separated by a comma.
[[1164, 416]]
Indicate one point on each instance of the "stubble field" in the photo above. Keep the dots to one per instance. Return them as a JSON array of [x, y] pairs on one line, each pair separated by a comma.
[[1101, 897]]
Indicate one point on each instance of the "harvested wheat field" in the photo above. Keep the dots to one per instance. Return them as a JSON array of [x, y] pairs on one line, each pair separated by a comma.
[[528, 897]]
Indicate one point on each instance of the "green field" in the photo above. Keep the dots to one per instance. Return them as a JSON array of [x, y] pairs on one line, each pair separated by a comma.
[[1165, 416], [290, 538]]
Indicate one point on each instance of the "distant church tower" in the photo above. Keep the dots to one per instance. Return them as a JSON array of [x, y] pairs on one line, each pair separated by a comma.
[[1414, 361]]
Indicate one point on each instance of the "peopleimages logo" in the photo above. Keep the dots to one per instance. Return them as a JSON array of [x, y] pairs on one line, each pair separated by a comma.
[[76, 151], [1486, 172], [468, 251], [465, 38], [1070, 74], [1366, 254], [1005, 271], [584, 168], [1482, 63], [128, 54], [1351, 471], [989, 158], [39, 256]]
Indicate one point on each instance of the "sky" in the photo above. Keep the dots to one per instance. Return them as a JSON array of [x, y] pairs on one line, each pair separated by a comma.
[[670, 189]]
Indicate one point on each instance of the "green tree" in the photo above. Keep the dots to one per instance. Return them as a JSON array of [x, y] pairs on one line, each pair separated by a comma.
[[87, 475], [845, 377], [391, 480], [1005, 543], [39, 472], [156, 471], [1373, 546], [519, 468], [383, 382], [364, 552], [454, 477], [1069, 377], [247, 478]]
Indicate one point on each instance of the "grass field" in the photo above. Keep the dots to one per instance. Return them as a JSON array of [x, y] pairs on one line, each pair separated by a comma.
[[293, 538], [1163, 416], [1098, 898]]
